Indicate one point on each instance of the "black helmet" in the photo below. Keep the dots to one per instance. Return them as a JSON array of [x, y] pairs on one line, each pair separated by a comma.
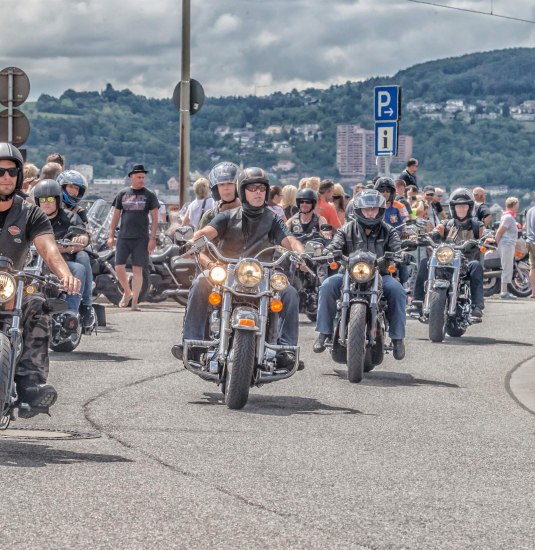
[[370, 198], [224, 172], [386, 183], [10, 152], [253, 175], [461, 196], [48, 188], [307, 195]]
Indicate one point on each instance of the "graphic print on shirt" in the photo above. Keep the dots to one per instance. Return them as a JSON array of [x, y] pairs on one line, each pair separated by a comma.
[[134, 203]]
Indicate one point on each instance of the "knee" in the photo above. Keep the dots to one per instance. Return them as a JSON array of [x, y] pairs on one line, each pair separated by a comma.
[[476, 269], [289, 295]]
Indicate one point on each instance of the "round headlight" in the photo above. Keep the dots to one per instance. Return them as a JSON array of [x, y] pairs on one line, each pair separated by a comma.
[[7, 287], [279, 282], [249, 273], [362, 272], [445, 254], [218, 274]]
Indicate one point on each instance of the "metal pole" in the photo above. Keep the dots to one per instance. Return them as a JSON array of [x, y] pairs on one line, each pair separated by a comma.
[[10, 105], [184, 103]]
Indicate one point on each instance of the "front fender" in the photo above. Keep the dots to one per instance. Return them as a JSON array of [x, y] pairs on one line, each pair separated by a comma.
[[441, 283], [242, 317]]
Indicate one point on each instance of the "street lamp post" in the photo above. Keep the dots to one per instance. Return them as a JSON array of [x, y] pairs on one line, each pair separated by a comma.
[[183, 169]]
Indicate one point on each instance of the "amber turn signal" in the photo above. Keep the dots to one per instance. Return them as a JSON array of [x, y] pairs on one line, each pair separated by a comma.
[[246, 322], [333, 265], [391, 269], [214, 298], [275, 306]]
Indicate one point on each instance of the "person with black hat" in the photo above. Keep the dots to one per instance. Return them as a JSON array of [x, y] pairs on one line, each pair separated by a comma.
[[243, 232], [132, 207], [21, 223]]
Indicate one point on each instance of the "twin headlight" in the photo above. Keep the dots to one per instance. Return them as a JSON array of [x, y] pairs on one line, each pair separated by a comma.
[[362, 271], [445, 254], [249, 274], [8, 287]]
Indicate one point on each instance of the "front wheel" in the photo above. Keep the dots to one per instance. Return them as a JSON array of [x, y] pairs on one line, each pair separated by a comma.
[[240, 374], [5, 362], [491, 286], [520, 284], [437, 314], [356, 343], [70, 343]]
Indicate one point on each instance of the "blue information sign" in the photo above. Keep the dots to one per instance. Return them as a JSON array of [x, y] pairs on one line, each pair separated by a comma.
[[386, 139]]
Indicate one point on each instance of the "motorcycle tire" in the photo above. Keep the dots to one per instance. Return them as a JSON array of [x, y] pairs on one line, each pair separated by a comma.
[[71, 343], [454, 331], [491, 286], [115, 294], [520, 285], [377, 352], [368, 361], [338, 352], [240, 374], [356, 343], [437, 314], [5, 362]]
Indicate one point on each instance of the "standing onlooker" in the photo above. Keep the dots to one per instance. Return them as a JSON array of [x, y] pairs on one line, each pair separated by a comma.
[[274, 200], [481, 210], [313, 183], [132, 207], [409, 174], [401, 195], [323, 208], [339, 202], [425, 209], [350, 208], [57, 158], [288, 203], [506, 238], [31, 177], [203, 202], [530, 241]]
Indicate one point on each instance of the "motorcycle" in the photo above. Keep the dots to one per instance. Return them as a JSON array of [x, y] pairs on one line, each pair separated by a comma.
[[447, 307], [171, 275], [241, 349], [361, 324], [520, 284], [14, 285]]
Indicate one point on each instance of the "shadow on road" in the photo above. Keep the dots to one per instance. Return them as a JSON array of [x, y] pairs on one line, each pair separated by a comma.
[[481, 341], [92, 356], [279, 405], [30, 455], [392, 379]]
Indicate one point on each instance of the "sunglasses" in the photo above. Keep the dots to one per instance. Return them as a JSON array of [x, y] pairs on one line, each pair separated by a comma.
[[255, 188], [47, 199], [305, 202], [13, 172], [429, 194]]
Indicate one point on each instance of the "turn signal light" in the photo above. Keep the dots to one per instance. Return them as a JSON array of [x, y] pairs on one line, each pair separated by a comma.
[[391, 268], [482, 249], [246, 322], [214, 298], [275, 306], [31, 289], [519, 254], [333, 265]]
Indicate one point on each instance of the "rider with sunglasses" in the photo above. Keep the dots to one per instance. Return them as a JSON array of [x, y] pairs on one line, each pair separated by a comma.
[[306, 221], [20, 224]]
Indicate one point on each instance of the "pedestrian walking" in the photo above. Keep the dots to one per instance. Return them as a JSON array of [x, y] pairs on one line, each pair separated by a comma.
[[506, 238]]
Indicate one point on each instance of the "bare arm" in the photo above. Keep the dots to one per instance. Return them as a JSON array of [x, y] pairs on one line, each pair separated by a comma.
[[116, 216], [291, 243], [48, 250], [487, 220], [153, 229]]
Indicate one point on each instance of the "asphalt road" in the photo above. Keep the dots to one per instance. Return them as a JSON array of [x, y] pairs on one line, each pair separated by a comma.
[[430, 452]]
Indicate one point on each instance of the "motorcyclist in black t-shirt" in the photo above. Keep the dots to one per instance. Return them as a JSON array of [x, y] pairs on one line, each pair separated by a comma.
[[21, 223], [243, 232]]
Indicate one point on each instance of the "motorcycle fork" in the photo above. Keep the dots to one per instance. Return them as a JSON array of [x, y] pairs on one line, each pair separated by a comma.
[[263, 316], [15, 336], [374, 300], [344, 309], [454, 285], [225, 331], [430, 279]]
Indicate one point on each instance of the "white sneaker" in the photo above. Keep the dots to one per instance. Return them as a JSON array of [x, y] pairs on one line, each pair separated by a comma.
[[507, 296]]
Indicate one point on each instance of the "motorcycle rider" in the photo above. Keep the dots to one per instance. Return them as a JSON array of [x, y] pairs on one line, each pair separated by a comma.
[[73, 186], [460, 228], [21, 223], [223, 180], [369, 232], [47, 194], [306, 221], [244, 232]]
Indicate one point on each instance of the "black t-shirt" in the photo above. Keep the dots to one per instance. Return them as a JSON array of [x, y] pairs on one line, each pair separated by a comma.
[[63, 222], [36, 223], [482, 211], [135, 205]]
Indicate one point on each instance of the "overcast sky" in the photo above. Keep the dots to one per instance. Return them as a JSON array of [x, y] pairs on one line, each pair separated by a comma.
[[238, 45]]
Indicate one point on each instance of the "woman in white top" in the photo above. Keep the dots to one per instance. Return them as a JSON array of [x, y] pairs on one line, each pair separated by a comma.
[[200, 205], [506, 238]]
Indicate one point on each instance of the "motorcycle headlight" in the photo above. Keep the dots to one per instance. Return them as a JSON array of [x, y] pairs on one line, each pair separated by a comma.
[[279, 282], [445, 254], [249, 273], [218, 274], [7, 287], [362, 272]]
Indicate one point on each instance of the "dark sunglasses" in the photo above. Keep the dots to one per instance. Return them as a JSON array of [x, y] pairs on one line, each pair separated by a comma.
[[254, 188], [304, 202], [429, 194], [11, 171]]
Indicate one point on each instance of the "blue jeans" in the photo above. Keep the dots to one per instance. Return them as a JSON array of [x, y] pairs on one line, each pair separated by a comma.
[[331, 290], [198, 310], [78, 271], [82, 257]]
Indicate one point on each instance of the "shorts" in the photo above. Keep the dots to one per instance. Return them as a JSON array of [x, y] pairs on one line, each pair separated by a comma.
[[136, 248], [531, 252]]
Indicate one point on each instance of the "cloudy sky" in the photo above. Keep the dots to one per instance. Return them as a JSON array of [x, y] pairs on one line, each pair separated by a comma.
[[239, 46]]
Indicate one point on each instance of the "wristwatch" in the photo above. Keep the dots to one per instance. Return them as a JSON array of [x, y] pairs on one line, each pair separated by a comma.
[[152, 238]]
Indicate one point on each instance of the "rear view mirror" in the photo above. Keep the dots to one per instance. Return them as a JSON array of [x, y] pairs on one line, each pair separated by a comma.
[[314, 249], [184, 233]]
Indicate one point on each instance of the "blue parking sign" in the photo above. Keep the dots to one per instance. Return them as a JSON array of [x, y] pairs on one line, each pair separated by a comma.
[[387, 101]]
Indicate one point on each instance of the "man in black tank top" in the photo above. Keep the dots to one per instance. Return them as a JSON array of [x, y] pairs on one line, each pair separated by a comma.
[[306, 221]]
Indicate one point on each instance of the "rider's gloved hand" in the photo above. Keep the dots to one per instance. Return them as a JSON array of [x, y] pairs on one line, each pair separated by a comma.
[[406, 258]]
